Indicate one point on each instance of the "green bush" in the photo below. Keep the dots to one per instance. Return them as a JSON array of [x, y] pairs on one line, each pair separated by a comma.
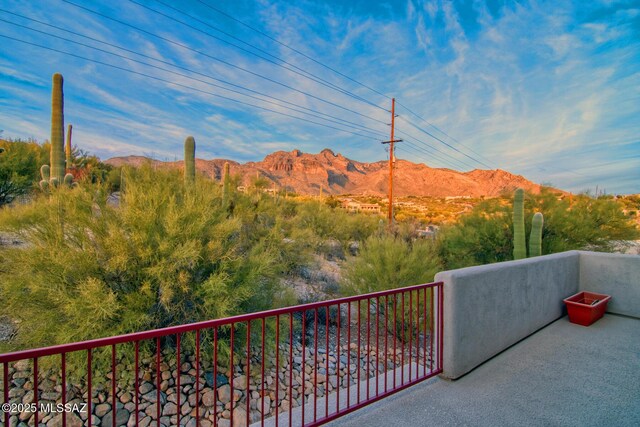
[[19, 167], [164, 256], [388, 262], [485, 235]]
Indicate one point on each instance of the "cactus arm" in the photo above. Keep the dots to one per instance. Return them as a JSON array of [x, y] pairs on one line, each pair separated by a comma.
[[226, 183], [68, 179], [189, 160], [519, 243], [67, 148], [535, 239]]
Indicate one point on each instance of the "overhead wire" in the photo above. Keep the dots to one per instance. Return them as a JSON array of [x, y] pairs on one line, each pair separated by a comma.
[[443, 142], [169, 64], [330, 118], [309, 111], [185, 86], [441, 131], [291, 48], [337, 119], [262, 33], [183, 46], [290, 66]]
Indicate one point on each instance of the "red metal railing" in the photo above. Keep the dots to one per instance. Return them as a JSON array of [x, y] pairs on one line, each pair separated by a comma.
[[302, 365]]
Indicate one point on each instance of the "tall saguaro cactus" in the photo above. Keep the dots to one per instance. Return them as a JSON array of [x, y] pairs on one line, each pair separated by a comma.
[[57, 129], [67, 148], [189, 160], [535, 239], [54, 173], [519, 243], [226, 184]]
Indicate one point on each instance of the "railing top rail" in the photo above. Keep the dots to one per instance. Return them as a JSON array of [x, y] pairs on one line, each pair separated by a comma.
[[191, 327]]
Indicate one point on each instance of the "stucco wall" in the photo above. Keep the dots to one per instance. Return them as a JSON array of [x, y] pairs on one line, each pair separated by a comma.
[[613, 274], [491, 307]]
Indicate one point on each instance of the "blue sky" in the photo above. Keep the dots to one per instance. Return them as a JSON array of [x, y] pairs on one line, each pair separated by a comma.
[[548, 89]]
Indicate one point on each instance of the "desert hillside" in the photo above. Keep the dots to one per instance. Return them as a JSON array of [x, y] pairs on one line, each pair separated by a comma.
[[307, 173]]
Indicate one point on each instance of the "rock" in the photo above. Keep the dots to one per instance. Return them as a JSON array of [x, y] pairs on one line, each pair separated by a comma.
[[209, 398], [50, 395], [122, 417], [102, 409], [224, 393], [153, 397], [170, 409], [25, 415], [186, 380], [21, 365], [144, 422], [240, 382], [220, 379], [72, 421], [145, 387], [239, 417], [28, 398], [19, 392], [151, 410]]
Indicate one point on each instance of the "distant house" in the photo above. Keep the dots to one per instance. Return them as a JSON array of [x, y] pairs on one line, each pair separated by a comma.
[[353, 206]]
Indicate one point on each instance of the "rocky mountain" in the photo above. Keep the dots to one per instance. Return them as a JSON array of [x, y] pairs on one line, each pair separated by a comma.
[[335, 174]]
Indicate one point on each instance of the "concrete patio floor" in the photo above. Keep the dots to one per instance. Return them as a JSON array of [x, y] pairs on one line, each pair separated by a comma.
[[563, 375]]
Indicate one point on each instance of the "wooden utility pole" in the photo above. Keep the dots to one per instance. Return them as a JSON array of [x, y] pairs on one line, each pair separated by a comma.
[[391, 159]]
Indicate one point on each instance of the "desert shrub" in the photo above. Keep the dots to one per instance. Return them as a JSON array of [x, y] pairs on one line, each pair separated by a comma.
[[387, 262], [166, 255], [321, 223], [485, 235], [19, 167]]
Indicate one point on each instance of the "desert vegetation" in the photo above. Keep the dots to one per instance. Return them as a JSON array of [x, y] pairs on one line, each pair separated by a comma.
[[106, 250]]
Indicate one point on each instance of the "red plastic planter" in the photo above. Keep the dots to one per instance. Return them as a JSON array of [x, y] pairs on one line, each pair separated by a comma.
[[586, 307]]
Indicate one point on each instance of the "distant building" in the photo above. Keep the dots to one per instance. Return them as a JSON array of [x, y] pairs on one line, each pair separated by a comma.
[[353, 206]]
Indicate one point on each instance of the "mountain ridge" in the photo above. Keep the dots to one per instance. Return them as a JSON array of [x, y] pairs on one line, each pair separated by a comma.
[[336, 174]]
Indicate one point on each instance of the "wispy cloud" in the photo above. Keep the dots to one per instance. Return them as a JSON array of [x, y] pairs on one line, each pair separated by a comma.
[[544, 89]]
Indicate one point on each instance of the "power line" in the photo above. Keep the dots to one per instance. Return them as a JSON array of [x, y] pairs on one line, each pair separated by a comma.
[[176, 66], [360, 127], [290, 67], [221, 12], [291, 48], [182, 75], [223, 61], [185, 86], [410, 137], [443, 132], [427, 155], [445, 143], [313, 113]]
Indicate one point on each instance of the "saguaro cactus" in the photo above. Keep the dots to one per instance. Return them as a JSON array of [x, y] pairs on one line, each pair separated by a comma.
[[67, 148], [519, 243], [189, 160], [54, 174], [535, 239], [226, 184], [57, 129]]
